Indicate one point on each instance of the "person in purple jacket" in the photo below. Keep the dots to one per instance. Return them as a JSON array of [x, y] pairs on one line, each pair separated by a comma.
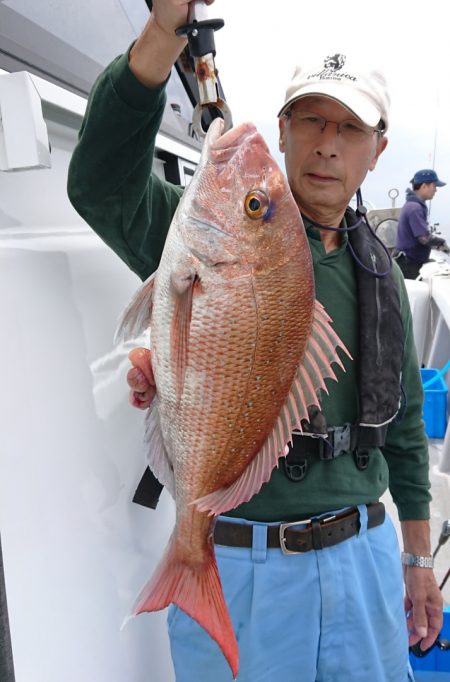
[[414, 238]]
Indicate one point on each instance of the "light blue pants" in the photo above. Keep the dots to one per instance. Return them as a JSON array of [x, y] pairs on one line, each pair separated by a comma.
[[333, 615]]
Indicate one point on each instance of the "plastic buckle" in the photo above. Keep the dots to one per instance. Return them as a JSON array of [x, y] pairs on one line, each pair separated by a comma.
[[361, 459], [337, 442], [342, 439], [297, 471], [283, 526]]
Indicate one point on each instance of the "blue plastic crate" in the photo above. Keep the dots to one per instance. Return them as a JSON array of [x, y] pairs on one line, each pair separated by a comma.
[[434, 404], [436, 661], [430, 676]]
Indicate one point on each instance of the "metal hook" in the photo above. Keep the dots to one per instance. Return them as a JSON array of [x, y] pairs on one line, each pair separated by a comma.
[[219, 105]]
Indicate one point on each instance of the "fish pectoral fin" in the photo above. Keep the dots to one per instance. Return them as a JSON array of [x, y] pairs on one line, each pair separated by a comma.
[[136, 316], [198, 592], [320, 352], [157, 457], [182, 281]]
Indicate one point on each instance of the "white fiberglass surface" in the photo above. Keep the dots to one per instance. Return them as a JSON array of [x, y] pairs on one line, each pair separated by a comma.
[[76, 549]]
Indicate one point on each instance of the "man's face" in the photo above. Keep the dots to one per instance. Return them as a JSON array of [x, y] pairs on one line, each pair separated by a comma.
[[428, 190], [325, 169]]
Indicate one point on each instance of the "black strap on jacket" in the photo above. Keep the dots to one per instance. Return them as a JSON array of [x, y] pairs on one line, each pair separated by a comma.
[[381, 334], [148, 491], [381, 343], [339, 440]]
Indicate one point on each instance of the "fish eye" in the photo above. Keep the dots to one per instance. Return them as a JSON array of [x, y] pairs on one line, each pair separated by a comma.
[[256, 204]]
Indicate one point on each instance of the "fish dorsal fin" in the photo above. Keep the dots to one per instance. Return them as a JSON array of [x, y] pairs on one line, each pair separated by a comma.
[[157, 457], [136, 317], [321, 351]]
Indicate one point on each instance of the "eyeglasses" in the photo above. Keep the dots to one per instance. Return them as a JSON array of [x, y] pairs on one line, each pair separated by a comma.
[[309, 124]]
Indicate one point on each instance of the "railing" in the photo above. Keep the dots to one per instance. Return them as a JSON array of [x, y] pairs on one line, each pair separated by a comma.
[[430, 306]]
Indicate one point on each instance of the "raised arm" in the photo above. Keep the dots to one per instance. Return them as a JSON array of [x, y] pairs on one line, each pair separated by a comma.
[[110, 180]]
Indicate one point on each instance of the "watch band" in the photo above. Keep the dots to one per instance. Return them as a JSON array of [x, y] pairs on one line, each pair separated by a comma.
[[416, 560]]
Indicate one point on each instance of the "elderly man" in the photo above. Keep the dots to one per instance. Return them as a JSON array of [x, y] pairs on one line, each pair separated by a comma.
[[332, 610], [414, 238]]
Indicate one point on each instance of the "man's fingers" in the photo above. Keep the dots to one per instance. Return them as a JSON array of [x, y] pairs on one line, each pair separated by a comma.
[[141, 359], [420, 621], [141, 400], [140, 378], [434, 628], [423, 626], [137, 380]]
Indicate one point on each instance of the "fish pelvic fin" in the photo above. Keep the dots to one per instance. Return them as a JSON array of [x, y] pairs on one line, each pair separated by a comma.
[[183, 280], [316, 365], [198, 592], [157, 457], [136, 317]]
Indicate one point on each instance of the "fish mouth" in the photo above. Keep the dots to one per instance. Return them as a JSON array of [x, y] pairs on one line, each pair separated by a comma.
[[231, 138], [222, 146], [215, 131]]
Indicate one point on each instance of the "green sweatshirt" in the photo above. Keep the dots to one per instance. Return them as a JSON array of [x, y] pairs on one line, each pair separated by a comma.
[[111, 185]]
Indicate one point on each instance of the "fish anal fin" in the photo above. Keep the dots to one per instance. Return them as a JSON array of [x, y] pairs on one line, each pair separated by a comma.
[[198, 592], [320, 353], [250, 481]]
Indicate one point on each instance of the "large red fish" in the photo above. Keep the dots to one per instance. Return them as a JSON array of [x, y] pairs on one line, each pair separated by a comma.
[[239, 347]]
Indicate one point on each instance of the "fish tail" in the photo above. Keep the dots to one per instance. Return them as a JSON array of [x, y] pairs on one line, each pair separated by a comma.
[[198, 592]]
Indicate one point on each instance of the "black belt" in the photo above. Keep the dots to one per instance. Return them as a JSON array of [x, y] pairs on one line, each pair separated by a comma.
[[318, 534]]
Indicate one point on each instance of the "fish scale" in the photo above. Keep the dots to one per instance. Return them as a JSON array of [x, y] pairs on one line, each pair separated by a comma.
[[240, 349]]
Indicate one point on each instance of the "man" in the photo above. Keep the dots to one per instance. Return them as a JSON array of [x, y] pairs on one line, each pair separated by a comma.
[[414, 238], [333, 609]]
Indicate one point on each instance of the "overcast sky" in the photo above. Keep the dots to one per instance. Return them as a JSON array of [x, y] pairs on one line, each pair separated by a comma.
[[409, 40]]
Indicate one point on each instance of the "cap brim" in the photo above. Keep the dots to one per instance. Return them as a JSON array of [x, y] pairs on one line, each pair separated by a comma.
[[440, 184], [358, 104]]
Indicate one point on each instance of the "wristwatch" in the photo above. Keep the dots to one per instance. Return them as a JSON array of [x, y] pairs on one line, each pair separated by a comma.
[[415, 560]]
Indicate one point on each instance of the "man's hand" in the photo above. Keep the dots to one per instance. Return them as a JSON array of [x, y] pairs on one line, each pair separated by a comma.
[[423, 599], [140, 378], [171, 14], [445, 248], [423, 606], [158, 47]]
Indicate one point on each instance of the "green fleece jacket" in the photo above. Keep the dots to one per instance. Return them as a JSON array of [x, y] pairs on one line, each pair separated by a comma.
[[111, 185]]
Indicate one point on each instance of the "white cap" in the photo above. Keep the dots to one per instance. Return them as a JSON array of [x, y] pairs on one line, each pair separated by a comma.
[[362, 91]]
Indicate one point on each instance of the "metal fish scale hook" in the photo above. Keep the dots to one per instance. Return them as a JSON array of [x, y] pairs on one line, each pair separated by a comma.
[[200, 34]]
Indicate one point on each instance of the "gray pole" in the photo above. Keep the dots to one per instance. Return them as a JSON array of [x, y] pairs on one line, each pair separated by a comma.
[[6, 658]]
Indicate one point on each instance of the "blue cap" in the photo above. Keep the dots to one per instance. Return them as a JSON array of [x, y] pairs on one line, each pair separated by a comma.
[[427, 175]]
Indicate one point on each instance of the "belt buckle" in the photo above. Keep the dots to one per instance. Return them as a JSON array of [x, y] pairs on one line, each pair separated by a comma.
[[325, 518], [283, 527]]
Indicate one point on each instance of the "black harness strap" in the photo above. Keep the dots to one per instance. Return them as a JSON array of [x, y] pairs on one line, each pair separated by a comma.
[[381, 343], [339, 440], [381, 334], [148, 491]]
